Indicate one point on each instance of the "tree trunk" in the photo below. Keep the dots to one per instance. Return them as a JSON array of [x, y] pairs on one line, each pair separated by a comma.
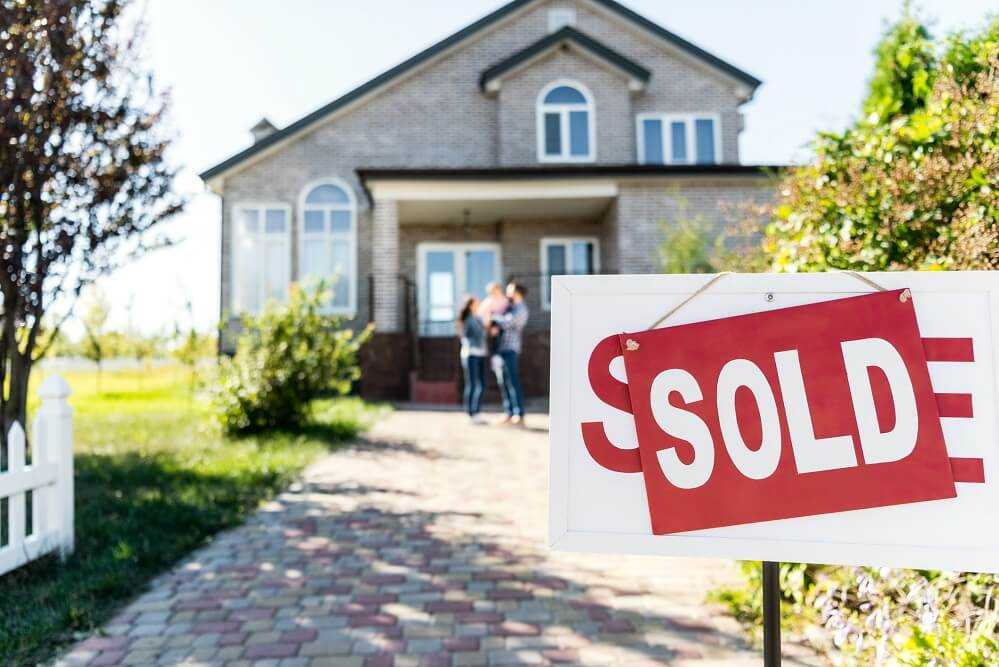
[[15, 403]]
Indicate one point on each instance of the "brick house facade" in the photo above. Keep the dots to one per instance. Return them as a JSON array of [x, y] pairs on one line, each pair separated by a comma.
[[549, 136]]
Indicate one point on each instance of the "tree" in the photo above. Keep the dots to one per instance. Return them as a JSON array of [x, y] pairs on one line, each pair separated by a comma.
[[96, 311], [904, 69], [83, 176], [191, 346], [687, 243], [911, 185], [691, 244], [914, 188]]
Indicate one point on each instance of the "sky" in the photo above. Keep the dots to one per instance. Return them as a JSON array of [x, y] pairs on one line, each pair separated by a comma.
[[229, 62]]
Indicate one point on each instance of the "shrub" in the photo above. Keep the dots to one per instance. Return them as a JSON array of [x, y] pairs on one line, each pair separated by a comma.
[[912, 186], [691, 244], [286, 357], [909, 617]]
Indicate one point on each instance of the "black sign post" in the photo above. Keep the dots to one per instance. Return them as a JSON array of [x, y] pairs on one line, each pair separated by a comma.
[[771, 614]]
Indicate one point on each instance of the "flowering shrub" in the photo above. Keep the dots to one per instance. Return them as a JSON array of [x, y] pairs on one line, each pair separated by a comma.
[[286, 357], [880, 616], [908, 617]]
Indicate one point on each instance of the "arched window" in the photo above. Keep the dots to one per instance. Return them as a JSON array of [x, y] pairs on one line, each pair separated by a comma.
[[328, 235], [566, 123]]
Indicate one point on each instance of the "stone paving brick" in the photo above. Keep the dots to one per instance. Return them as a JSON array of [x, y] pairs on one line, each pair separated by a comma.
[[173, 656], [341, 661], [139, 658], [273, 650], [299, 636], [103, 643], [457, 644], [325, 646], [107, 658], [423, 545]]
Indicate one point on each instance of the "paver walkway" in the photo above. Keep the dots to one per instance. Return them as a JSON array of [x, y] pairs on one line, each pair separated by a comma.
[[423, 544]]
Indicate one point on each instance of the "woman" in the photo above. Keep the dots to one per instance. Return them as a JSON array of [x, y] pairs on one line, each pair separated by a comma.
[[473, 356]]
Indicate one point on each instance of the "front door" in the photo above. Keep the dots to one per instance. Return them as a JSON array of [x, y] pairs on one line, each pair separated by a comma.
[[446, 274]]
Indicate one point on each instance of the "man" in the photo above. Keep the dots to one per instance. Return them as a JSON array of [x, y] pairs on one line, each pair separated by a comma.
[[511, 338]]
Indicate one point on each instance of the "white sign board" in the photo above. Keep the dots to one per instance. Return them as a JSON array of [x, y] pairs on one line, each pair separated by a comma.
[[596, 509]]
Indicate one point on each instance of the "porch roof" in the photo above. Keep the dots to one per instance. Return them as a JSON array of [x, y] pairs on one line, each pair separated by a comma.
[[488, 195], [543, 177]]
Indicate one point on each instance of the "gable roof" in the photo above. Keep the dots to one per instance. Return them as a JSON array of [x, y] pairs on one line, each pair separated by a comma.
[[448, 42], [554, 40]]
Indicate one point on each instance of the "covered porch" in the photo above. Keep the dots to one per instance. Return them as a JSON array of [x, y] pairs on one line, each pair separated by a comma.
[[438, 237]]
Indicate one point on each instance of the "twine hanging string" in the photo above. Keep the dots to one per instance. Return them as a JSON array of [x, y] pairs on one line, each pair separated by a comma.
[[864, 279], [704, 288]]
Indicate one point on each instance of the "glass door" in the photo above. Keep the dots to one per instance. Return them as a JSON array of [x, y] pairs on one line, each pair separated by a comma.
[[448, 273]]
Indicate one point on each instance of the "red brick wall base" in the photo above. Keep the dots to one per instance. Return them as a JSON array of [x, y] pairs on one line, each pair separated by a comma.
[[387, 373], [386, 361], [435, 392]]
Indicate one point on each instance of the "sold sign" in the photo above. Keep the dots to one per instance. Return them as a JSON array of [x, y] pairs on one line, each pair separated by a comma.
[[794, 412]]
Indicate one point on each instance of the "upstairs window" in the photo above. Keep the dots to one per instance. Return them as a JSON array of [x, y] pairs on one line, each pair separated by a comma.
[[678, 139], [565, 123], [329, 242], [567, 256], [262, 255]]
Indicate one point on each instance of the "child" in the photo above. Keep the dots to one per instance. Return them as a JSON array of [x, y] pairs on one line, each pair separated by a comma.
[[491, 310]]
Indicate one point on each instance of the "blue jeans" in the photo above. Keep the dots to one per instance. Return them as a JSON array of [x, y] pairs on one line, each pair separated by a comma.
[[509, 381], [474, 368]]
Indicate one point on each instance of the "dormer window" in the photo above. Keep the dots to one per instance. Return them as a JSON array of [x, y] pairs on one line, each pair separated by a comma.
[[560, 18], [679, 139], [566, 123]]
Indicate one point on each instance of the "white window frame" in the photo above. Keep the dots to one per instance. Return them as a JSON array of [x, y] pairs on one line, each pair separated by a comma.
[[350, 310], [563, 110], [459, 269], [567, 241], [561, 17], [689, 119], [237, 298]]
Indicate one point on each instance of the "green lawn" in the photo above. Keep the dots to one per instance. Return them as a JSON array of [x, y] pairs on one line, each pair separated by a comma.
[[154, 480]]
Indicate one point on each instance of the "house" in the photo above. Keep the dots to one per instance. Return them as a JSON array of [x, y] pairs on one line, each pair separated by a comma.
[[551, 136]]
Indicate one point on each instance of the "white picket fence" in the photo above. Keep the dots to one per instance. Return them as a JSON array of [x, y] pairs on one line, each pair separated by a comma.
[[49, 478]]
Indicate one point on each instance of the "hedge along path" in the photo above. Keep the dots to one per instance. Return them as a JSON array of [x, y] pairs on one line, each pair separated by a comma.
[[422, 544]]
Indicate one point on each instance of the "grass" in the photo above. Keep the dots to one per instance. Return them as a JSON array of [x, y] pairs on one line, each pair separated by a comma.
[[154, 480]]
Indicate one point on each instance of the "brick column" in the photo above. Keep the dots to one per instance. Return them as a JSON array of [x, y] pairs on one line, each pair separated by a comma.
[[385, 266], [640, 212]]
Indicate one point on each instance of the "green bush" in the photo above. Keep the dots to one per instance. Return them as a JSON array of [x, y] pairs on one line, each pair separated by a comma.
[[286, 357], [745, 602], [909, 617], [867, 615], [912, 185]]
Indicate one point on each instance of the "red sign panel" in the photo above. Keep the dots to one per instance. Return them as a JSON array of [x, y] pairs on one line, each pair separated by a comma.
[[794, 412]]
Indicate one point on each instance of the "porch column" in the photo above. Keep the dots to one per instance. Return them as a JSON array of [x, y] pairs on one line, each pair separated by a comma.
[[385, 266]]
